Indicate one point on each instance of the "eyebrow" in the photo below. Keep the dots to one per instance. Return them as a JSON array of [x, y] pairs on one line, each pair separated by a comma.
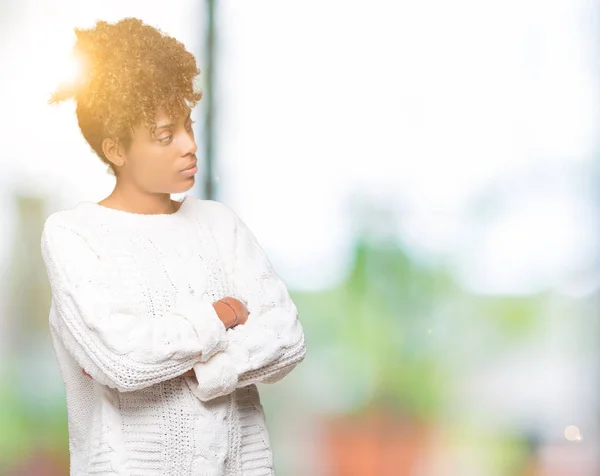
[[164, 126]]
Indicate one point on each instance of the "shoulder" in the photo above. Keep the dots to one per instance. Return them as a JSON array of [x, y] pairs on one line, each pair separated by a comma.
[[74, 219], [218, 213], [214, 206], [61, 242], [71, 232]]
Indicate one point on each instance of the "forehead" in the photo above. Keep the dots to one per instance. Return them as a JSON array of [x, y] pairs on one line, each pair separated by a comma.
[[163, 117]]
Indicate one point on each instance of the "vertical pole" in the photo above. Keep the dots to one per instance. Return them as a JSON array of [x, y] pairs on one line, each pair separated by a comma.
[[209, 134]]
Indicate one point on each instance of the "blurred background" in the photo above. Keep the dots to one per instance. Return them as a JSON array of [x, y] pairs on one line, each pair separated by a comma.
[[423, 175]]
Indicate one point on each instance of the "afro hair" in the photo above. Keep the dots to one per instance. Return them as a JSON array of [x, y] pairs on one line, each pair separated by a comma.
[[129, 71]]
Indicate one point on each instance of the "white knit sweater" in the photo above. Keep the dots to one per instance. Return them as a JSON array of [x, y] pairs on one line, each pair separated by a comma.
[[132, 302]]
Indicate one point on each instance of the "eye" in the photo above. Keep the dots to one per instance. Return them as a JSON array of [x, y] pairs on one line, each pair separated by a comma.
[[166, 140]]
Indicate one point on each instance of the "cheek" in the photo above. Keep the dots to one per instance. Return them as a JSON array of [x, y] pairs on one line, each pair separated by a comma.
[[158, 172], [155, 166]]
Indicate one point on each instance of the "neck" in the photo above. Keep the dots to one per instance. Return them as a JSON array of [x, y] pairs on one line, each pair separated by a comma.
[[129, 199]]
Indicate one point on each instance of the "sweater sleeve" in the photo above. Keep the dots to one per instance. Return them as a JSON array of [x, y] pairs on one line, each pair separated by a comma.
[[111, 341], [271, 343]]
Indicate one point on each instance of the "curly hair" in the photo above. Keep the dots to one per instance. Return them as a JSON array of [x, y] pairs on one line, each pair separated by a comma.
[[129, 71]]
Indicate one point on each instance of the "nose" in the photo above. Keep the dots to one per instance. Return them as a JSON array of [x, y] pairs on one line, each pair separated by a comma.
[[189, 146]]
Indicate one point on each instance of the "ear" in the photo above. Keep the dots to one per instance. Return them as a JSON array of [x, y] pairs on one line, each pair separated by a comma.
[[113, 151]]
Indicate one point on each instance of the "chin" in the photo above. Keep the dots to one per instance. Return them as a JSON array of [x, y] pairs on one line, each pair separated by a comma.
[[183, 186]]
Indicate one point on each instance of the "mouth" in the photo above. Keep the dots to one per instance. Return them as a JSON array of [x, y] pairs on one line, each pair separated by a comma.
[[191, 170], [193, 165]]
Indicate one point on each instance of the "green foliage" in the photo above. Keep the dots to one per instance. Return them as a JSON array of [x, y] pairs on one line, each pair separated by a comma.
[[26, 430], [390, 320]]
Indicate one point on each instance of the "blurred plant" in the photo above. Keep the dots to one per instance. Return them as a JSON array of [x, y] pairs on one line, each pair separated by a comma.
[[388, 310], [32, 404], [386, 335], [28, 430]]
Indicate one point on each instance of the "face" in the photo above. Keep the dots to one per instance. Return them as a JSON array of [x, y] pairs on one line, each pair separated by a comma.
[[157, 158]]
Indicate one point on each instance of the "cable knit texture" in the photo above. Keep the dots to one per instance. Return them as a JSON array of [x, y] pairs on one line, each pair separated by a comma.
[[131, 304]]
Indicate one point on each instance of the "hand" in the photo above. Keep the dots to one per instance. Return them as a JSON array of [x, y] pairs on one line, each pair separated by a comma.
[[227, 308]]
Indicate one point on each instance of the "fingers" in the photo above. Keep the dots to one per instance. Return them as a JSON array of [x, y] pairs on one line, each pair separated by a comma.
[[239, 307]]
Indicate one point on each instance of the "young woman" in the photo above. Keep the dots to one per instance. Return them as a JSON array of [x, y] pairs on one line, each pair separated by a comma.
[[164, 314]]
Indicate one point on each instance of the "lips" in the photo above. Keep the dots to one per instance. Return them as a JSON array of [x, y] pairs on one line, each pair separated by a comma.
[[191, 170], [191, 166]]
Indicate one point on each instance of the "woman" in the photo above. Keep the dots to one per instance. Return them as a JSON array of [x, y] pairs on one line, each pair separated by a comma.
[[165, 314]]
